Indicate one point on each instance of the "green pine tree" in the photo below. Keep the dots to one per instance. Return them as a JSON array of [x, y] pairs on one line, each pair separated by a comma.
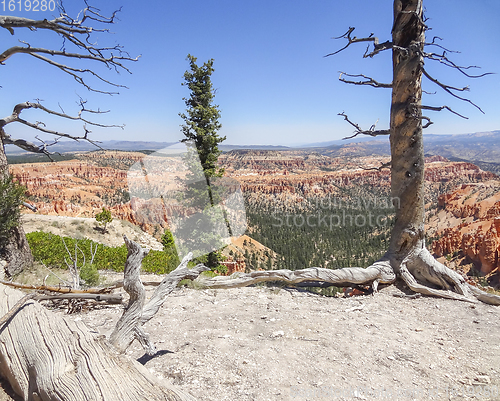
[[201, 124], [104, 218], [202, 116]]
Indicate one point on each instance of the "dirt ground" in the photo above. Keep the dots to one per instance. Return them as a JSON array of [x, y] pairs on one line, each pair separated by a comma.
[[273, 344]]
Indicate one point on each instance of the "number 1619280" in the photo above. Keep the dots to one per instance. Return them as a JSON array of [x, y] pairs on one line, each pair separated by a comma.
[[28, 5]]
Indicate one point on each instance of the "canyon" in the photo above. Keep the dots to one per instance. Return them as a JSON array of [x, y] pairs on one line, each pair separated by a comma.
[[467, 224], [463, 201]]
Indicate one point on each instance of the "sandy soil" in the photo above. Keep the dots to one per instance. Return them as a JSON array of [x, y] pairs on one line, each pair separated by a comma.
[[277, 344]]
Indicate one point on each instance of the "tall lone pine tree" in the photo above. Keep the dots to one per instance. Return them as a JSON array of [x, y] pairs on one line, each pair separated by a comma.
[[407, 258], [201, 123]]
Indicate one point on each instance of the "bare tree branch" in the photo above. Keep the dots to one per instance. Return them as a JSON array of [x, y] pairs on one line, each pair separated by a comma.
[[29, 146], [443, 59], [29, 206], [449, 89], [74, 73], [79, 35], [371, 131], [382, 166], [429, 122], [26, 145], [439, 108], [75, 32], [369, 81], [433, 43], [377, 47]]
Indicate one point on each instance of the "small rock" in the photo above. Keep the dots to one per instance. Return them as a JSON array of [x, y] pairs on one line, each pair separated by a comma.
[[358, 396], [483, 379], [277, 334]]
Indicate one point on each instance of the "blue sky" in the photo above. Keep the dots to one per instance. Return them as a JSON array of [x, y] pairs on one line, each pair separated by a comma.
[[273, 84]]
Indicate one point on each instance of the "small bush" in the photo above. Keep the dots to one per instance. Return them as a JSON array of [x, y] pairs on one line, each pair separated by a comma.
[[11, 197], [104, 218], [90, 274], [49, 249]]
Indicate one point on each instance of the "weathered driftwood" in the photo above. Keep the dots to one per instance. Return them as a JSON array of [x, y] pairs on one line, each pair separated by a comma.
[[46, 356], [434, 278], [64, 290], [129, 327], [379, 272], [109, 298], [119, 284]]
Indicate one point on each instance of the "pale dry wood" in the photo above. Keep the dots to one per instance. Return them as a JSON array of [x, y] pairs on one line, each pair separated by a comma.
[[47, 357], [109, 298], [379, 272], [65, 290], [137, 313], [425, 275]]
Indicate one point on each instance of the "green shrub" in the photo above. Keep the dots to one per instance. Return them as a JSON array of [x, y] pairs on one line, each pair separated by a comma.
[[11, 197], [89, 274], [104, 218], [160, 262], [49, 249]]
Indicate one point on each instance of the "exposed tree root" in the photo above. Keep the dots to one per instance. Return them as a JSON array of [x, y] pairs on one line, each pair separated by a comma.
[[379, 272], [420, 271]]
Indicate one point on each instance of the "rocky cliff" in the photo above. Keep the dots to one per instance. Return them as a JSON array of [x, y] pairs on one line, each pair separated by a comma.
[[467, 215], [469, 218]]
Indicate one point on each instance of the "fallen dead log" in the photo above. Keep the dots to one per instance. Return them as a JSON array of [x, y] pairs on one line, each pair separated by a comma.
[[119, 284], [64, 290], [46, 356], [129, 327], [109, 298]]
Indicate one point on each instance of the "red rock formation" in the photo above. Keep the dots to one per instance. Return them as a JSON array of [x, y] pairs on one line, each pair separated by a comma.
[[286, 179], [234, 266], [477, 236]]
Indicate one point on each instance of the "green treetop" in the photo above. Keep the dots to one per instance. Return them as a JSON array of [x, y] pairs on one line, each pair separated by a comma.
[[202, 116], [104, 218]]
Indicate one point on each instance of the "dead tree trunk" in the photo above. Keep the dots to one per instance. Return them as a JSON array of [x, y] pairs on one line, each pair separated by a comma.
[[45, 356], [16, 252], [407, 257]]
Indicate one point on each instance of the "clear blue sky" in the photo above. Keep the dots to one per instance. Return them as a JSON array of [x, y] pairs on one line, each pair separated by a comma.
[[273, 84]]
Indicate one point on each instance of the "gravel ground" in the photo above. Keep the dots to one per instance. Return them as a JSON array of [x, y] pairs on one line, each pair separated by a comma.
[[272, 344]]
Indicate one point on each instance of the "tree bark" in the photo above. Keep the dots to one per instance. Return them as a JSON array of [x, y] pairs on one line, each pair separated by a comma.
[[45, 356], [406, 137], [129, 327], [16, 252]]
